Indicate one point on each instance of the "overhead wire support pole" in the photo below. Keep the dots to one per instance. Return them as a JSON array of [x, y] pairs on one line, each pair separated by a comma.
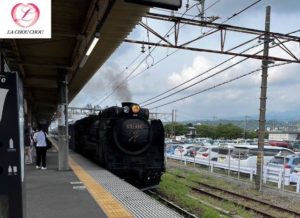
[[263, 99]]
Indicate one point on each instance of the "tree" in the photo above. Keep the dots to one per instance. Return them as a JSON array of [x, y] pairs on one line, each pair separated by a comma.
[[189, 125], [228, 131], [251, 134], [180, 129], [206, 131]]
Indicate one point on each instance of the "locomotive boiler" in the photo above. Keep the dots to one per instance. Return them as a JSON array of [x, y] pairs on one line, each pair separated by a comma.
[[124, 141]]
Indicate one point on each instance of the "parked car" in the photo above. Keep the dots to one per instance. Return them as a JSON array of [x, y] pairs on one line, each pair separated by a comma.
[[170, 148], [193, 151], [182, 149], [208, 152], [280, 144], [224, 152], [290, 161], [246, 155]]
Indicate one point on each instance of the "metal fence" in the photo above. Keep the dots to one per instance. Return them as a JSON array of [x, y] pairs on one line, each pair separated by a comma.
[[281, 176]]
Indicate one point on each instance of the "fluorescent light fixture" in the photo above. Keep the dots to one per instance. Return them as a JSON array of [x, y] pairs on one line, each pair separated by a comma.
[[89, 51], [92, 46], [83, 61]]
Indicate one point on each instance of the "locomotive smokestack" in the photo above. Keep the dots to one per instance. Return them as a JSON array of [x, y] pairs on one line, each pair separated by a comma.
[[127, 104]]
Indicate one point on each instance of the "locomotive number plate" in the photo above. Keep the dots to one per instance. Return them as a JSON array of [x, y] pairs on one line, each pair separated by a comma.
[[134, 126]]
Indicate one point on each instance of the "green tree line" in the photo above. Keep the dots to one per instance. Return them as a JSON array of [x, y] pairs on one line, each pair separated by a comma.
[[227, 131]]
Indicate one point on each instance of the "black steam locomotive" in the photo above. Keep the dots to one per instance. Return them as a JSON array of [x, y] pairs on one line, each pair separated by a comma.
[[123, 141]]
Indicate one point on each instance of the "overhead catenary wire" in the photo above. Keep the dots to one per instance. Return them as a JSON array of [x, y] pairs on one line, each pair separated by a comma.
[[201, 74], [241, 11], [141, 62], [196, 83], [162, 59], [127, 77], [103, 98], [218, 85], [167, 91]]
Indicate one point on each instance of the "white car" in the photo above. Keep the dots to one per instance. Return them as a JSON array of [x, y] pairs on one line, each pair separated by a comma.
[[208, 152], [182, 149], [246, 155]]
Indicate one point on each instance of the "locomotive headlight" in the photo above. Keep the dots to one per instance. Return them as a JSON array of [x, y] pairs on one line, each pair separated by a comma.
[[126, 109], [135, 108]]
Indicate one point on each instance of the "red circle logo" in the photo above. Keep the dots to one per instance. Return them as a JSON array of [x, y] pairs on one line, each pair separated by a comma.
[[25, 15]]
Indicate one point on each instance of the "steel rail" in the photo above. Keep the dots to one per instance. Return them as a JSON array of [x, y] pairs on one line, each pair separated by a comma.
[[295, 213], [170, 204]]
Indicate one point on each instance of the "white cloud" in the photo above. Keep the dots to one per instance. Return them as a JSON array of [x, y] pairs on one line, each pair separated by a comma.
[[237, 98], [200, 64]]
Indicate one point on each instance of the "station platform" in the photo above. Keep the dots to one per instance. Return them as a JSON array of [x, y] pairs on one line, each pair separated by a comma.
[[52, 193], [86, 190]]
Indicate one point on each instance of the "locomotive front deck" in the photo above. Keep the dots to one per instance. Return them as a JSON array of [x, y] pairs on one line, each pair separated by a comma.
[[87, 191]]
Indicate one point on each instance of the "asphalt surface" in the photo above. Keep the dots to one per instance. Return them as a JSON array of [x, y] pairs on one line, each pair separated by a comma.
[[57, 194]]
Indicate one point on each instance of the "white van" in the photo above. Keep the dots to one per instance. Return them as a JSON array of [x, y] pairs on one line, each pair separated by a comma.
[[247, 154]]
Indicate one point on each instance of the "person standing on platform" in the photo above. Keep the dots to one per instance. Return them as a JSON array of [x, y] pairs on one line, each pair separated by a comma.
[[41, 148], [28, 147]]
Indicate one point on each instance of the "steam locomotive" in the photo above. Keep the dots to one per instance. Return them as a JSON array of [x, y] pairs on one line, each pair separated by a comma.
[[124, 141]]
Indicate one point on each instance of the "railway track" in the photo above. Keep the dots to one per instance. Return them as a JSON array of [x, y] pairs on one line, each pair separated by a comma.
[[170, 204], [265, 209]]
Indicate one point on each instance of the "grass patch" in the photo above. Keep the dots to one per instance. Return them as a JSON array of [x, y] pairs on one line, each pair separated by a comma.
[[177, 192], [175, 189]]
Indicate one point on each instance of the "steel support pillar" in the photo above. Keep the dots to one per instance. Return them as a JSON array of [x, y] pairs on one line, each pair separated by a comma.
[[62, 113]]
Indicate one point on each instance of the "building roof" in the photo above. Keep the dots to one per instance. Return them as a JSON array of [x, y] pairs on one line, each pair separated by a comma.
[[74, 24]]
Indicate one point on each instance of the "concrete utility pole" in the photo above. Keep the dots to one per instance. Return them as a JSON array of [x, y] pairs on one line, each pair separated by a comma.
[[263, 98], [62, 111], [245, 125], [173, 122]]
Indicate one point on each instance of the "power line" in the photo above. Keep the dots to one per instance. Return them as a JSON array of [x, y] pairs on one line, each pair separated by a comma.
[[167, 91], [126, 79], [206, 78], [220, 84], [246, 8], [204, 35], [144, 59], [281, 43]]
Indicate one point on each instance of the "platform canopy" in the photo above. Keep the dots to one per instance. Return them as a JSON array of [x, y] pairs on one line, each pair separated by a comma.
[[75, 23]]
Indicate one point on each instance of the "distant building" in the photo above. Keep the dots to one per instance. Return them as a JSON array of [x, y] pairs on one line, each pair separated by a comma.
[[191, 132], [284, 136]]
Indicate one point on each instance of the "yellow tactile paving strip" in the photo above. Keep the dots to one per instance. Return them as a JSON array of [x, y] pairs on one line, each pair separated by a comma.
[[110, 205]]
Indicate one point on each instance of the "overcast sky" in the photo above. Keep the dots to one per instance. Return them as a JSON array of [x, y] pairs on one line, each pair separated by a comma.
[[238, 98]]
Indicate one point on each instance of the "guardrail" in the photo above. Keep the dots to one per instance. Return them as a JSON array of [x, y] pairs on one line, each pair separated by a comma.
[[277, 175], [214, 164], [270, 174]]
